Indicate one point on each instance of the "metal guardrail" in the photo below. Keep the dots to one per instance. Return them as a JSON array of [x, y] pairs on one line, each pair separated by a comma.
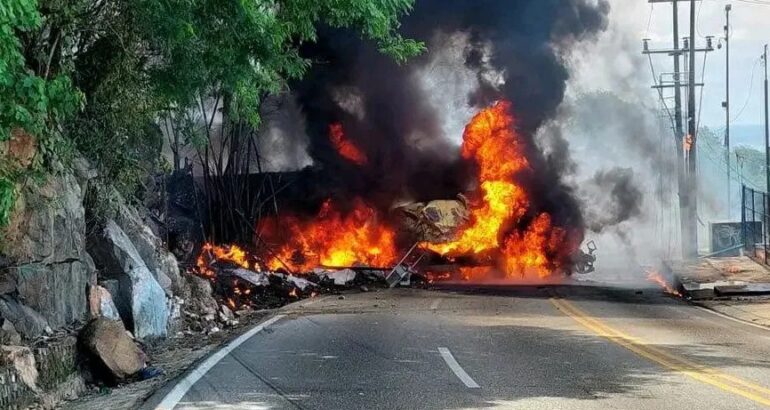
[[724, 251], [754, 218]]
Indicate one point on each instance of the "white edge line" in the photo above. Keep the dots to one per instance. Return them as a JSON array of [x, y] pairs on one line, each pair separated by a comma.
[[458, 371], [183, 386], [728, 317]]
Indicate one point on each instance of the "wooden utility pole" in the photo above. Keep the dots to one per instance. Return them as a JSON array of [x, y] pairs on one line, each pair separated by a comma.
[[679, 132], [691, 153], [685, 146]]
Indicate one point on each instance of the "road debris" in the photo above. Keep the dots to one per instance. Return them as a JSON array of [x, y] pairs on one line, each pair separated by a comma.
[[343, 277], [114, 356]]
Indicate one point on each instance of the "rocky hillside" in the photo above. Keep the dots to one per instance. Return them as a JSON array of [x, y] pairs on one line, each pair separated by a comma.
[[53, 268]]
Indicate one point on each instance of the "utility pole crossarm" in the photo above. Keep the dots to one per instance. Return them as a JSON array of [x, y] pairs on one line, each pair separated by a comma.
[[673, 52], [675, 85]]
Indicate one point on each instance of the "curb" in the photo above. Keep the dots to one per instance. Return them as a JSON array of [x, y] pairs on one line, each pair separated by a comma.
[[728, 317]]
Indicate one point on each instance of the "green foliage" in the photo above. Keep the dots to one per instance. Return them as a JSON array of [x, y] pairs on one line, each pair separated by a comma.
[[96, 77], [30, 101], [247, 49], [750, 164], [35, 102], [7, 200], [747, 163], [116, 130]]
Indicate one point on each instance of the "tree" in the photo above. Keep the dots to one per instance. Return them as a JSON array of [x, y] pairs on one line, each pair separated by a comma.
[[750, 163], [32, 102], [250, 49], [122, 65]]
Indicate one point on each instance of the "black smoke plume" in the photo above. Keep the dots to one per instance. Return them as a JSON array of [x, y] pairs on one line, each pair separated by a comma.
[[616, 198], [386, 112]]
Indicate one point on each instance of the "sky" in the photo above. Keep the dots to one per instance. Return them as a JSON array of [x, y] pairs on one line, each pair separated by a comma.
[[614, 62], [625, 70]]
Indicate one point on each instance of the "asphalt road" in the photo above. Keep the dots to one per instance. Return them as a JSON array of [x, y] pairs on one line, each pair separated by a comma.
[[489, 347]]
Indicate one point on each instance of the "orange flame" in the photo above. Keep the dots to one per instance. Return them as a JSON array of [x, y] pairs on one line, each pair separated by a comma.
[[490, 140], [344, 147], [334, 240], [529, 251], [503, 223], [687, 143], [230, 253], [657, 278]]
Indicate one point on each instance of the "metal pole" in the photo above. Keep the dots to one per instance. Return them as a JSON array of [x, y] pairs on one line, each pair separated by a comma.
[[763, 215], [767, 131], [692, 189], [727, 103], [753, 219], [743, 217]]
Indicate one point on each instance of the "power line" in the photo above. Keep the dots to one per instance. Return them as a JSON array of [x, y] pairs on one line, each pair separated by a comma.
[[742, 179], [723, 165], [649, 20], [752, 2], [660, 93], [697, 26], [756, 2], [751, 91], [702, 90]]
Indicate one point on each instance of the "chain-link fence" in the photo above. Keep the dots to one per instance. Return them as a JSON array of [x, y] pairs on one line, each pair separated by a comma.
[[754, 218]]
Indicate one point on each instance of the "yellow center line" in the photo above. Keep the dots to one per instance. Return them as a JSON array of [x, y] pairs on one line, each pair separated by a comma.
[[660, 352], [701, 373]]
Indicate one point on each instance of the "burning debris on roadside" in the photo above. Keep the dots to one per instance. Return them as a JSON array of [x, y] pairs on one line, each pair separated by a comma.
[[388, 172], [238, 279], [657, 278], [498, 231]]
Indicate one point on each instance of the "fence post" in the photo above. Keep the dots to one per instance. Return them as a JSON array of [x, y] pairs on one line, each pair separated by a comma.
[[753, 220], [743, 218], [764, 226]]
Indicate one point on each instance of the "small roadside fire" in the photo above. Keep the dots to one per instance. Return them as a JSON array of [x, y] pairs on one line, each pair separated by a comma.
[[240, 282], [228, 253], [655, 277]]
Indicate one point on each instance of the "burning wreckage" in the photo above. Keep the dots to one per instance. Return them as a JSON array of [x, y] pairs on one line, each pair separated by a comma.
[[496, 232]]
